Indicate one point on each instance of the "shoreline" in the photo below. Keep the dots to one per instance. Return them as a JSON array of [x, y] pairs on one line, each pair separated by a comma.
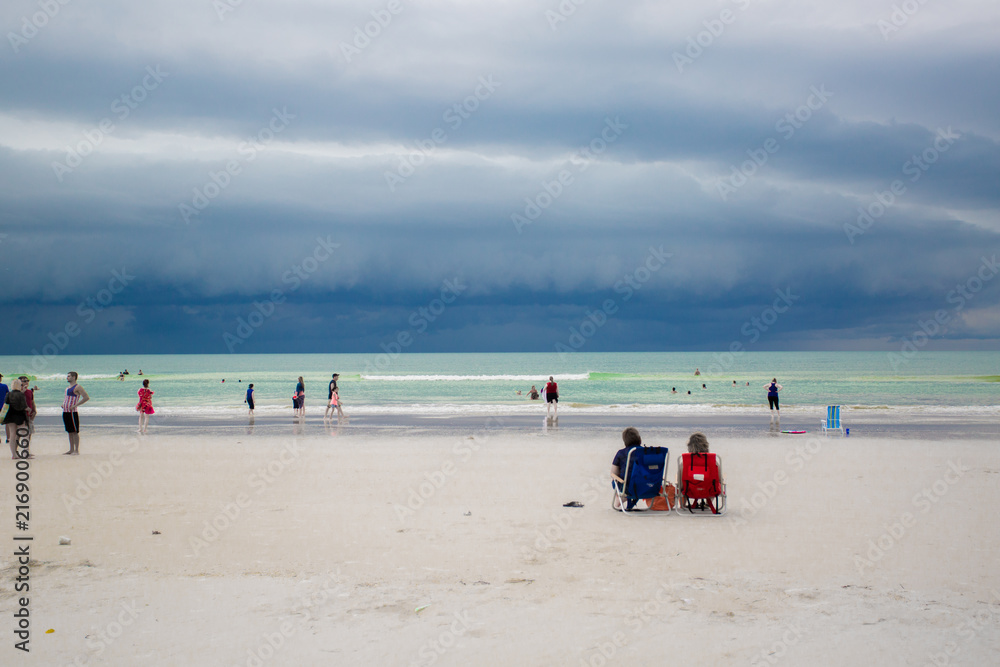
[[862, 424]]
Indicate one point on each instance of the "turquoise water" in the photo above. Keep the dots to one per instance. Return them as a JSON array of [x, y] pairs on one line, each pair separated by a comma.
[[589, 382]]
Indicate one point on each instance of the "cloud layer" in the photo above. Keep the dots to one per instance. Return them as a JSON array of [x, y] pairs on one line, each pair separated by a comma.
[[346, 162]]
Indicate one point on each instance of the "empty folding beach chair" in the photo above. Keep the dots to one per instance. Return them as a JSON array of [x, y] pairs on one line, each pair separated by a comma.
[[832, 421], [645, 472], [701, 487]]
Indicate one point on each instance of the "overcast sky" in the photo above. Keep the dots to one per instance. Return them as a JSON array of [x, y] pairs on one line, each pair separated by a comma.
[[282, 176]]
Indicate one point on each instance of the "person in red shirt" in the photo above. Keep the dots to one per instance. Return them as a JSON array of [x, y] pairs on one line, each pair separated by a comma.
[[551, 398]]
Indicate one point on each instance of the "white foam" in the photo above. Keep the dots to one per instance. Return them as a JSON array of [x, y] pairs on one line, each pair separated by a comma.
[[474, 378]]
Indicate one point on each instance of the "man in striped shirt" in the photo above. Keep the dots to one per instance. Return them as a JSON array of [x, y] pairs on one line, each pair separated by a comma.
[[75, 397]]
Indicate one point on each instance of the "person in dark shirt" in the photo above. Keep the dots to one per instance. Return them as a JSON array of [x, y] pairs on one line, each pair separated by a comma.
[[331, 405], [631, 439]]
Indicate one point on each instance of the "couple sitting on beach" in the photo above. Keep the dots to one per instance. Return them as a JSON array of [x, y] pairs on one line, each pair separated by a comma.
[[697, 444]]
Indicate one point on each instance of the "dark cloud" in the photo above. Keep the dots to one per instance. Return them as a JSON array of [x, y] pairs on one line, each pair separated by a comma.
[[573, 155]]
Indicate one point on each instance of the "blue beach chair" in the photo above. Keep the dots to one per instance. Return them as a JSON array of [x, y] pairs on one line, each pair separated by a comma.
[[645, 472], [832, 421]]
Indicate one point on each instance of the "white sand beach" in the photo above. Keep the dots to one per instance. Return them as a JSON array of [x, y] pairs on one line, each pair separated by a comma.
[[364, 550]]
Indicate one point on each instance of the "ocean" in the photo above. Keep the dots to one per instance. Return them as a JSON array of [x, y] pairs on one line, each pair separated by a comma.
[[955, 383]]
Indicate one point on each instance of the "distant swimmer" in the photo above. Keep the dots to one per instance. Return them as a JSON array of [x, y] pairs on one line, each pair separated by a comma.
[[673, 390], [704, 387], [734, 383], [697, 371]]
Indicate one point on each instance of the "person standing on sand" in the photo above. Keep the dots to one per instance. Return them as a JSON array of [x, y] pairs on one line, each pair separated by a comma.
[[17, 416], [3, 395], [772, 396], [249, 399], [75, 397], [551, 398], [145, 406], [29, 395]]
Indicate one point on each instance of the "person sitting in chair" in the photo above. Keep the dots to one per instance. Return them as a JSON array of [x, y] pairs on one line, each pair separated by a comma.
[[632, 439], [698, 444]]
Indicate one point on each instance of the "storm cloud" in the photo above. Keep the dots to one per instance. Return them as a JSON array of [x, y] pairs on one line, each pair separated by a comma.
[[489, 176]]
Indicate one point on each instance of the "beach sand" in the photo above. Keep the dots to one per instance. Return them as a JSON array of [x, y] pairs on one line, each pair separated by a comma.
[[451, 549]]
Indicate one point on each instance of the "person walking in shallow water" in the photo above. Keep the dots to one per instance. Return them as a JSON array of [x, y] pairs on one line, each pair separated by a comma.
[[145, 406], [334, 393], [772, 397], [551, 398], [299, 399]]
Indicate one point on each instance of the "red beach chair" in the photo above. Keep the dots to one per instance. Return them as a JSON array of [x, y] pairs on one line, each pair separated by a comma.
[[702, 488]]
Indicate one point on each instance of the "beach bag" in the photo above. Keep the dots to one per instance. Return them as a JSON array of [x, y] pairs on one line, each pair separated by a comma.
[[661, 504]]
